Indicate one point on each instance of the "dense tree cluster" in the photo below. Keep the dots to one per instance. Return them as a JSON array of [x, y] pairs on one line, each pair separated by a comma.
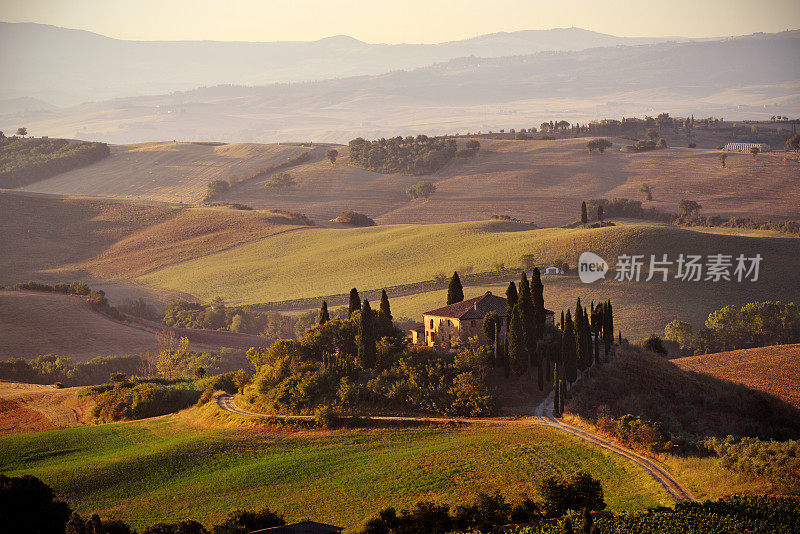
[[279, 180], [25, 161], [362, 362], [776, 461], [409, 155], [598, 144], [756, 324]]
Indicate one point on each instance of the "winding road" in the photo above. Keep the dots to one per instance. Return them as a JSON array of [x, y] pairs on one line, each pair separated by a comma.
[[544, 416]]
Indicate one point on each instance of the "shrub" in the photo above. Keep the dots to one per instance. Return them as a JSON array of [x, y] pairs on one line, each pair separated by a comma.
[[326, 417], [353, 218], [422, 189], [279, 180], [216, 188]]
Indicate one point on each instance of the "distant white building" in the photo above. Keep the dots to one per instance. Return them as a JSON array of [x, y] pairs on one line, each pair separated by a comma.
[[745, 147], [554, 270]]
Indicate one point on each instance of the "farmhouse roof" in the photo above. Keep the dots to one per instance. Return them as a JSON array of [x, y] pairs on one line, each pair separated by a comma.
[[474, 308], [303, 527]]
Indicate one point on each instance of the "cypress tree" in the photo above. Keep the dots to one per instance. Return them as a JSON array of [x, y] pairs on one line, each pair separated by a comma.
[[568, 349], [580, 336], [562, 320], [611, 322], [385, 310], [584, 216], [525, 304], [498, 347], [608, 333], [367, 351], [323, 313], [556, 395], [537, 294], [511, 301], [455, 292], [355, 301], [516, 342]]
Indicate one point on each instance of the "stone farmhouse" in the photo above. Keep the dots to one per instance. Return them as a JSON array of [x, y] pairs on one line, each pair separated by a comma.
[[462, 320]]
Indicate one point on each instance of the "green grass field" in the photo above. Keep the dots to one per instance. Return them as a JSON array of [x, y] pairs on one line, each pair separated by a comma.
[[317, 262], [167, 470]]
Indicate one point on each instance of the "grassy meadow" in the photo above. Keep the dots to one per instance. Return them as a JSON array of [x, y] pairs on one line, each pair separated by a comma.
[[188, 471], [323, 261]]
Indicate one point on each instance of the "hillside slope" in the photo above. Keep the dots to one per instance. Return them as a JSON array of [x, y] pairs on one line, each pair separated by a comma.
[[774, 370], [164, 171], [58, 239], [32, 408], [540, 181], [44, 323], [325, 261]]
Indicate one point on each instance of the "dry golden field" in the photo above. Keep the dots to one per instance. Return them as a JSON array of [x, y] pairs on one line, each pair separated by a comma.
[[33, 407], [164, 171], [774, 370], [36, 323], [543, 182]]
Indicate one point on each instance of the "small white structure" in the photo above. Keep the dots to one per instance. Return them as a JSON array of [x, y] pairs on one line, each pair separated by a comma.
[[554, 270], [746, 147]]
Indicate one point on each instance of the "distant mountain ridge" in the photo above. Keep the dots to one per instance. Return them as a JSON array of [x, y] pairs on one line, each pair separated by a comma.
[[66, 67]]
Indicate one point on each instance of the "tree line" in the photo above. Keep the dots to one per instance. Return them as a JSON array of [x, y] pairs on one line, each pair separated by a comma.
[[25, 161]]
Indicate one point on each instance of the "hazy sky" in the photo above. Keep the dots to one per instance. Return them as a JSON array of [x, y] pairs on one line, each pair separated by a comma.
[[384, 21]]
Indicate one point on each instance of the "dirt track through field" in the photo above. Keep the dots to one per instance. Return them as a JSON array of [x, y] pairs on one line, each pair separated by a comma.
[[544, 416]]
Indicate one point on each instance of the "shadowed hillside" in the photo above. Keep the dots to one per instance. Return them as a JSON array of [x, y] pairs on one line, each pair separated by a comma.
[[774, 370]]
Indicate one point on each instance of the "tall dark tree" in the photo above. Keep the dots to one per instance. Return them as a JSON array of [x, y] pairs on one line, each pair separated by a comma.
[[324, 317], [539, 321], [600, 213], [562, 320], [385, 309], [455, 292], [556, 393], [367, 352], [355, 302], [28, 505], [584, 216], [581, 333], [490, 321], [499, 357], [511, 301], [609, 326], [525, 304], [568, 349], [517, 354]]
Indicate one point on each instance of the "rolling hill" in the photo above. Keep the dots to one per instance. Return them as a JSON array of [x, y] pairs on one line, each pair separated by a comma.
[[188, 471], [34, 408], [165, 171], [540, 181], [774, 370], [44, 323], [327, 261], [57, 239]]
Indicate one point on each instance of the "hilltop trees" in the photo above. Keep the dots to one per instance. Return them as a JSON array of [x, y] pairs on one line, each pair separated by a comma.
[[412, 155], [598, 144], [22, 132], [25, 161], [332, 154], [584, 216], [455, 292], [355, 302]]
